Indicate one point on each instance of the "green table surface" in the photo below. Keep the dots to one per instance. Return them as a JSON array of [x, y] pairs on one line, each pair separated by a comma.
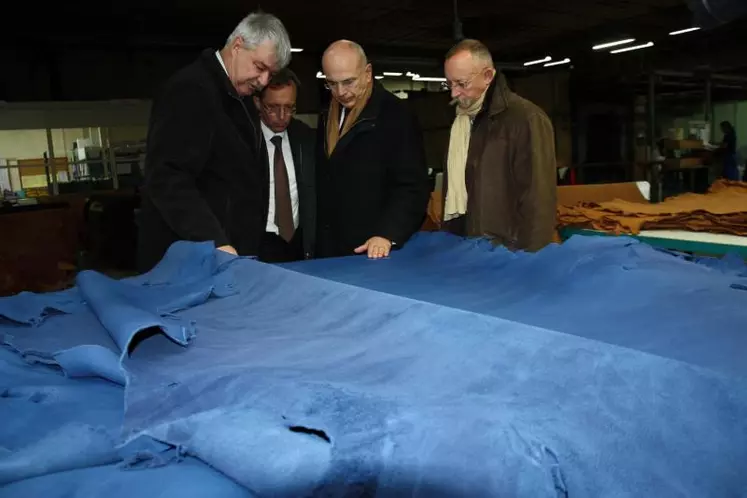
[[691, 246]]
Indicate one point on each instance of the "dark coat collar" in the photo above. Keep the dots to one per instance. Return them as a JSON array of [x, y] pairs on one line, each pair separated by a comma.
[[216, 71], [373, 107], [497, 97]]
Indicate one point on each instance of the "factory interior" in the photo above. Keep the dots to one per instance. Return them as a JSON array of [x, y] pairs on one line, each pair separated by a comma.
[[606, 360]]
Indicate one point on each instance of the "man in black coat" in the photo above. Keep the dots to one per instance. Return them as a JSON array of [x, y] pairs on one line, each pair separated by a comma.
[[206, 169], [290, 143], [372, 179]]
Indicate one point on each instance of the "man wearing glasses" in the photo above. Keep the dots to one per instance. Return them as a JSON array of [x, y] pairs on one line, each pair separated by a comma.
[[290, 229], [206, 171], [372, 183], [500, 178]]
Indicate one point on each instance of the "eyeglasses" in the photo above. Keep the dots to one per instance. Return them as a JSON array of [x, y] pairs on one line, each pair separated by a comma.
[[279, 110], [342, 85], [459, 85]]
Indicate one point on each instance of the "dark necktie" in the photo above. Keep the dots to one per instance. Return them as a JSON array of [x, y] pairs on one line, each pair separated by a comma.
[[283, 206]]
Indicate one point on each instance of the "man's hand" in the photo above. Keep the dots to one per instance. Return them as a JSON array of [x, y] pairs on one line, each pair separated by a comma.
[[377, 248], [228, 249]]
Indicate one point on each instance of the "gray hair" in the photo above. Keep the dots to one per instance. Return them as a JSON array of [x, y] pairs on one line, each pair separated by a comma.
[[259, 27], [476, 49]]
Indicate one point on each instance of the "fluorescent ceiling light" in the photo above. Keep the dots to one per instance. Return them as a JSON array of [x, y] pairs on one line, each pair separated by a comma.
[[538, 61], [634, 47], [387, 73], [613, 44], [683, 31], [558, 63], [379, 77], [296, 50], [410, 73], [320, 75], [427, 78]]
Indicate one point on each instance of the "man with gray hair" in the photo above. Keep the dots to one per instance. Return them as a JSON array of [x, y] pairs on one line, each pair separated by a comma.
[[206, 167], [500, 180]]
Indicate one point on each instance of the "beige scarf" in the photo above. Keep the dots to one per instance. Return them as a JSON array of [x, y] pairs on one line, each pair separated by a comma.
[[334, 133], [456, 165]]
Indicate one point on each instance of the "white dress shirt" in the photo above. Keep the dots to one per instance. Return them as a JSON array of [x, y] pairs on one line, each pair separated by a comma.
[[222, 64], [290, 167]]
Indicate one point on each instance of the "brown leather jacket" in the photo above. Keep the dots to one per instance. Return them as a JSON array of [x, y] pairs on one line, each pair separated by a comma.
[[511, 172]]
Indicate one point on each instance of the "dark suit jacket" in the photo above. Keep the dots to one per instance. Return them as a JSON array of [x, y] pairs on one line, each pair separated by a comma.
[[375, 183], [302, 141], [206, 169]]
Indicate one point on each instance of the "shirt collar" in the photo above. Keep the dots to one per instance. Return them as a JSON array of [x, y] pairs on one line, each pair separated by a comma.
[[268, 133], [220, 60]]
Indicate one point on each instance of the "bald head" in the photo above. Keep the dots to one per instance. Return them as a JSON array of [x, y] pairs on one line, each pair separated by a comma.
[[347, 71], [344, 53]]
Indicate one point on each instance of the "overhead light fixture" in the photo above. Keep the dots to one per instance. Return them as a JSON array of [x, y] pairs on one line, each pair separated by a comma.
[[387, 73], [683, 31], [538, 61], [379, 77], [296, 50], [634, 47], [410, 74], [428, 78], [320, 75], [617, 43], [558, 63]]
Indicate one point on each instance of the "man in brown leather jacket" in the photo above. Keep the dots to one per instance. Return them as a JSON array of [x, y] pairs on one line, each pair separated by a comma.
[[500, 179]]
